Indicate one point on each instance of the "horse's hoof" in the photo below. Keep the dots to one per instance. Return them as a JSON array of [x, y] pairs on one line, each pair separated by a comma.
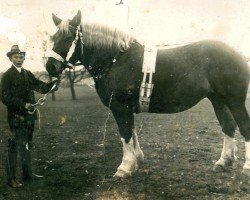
[[140, 158], [221, 168], [122, 174], [218, 168], [140, 162]]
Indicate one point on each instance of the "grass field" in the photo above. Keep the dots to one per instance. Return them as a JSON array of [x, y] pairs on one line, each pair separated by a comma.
[[78, 153]]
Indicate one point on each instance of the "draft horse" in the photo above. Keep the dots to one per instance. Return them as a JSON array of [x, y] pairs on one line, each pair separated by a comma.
[[184, 76]]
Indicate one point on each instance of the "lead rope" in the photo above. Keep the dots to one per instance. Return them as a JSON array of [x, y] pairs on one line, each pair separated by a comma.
[[39, 118], [40, 102]]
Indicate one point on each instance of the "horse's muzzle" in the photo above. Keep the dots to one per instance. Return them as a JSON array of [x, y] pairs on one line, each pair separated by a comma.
[[53, 67], [51, 70]]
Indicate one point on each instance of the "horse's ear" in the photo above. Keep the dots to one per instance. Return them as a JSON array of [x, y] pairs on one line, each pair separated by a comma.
[[77, 19], [56, 19]]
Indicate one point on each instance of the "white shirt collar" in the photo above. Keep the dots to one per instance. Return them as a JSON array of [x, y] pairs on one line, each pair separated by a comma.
[[17, 68]]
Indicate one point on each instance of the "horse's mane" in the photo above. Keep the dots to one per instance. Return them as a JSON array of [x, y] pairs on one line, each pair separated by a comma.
[[101, 36]]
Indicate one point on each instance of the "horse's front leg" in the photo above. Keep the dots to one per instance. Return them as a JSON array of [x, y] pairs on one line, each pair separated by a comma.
[[132, 152]]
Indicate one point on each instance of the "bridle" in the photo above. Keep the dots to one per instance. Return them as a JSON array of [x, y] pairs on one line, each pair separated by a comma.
[[58, 57]]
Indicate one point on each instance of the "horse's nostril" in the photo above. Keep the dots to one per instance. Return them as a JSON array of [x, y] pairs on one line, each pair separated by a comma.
[[51, 69]]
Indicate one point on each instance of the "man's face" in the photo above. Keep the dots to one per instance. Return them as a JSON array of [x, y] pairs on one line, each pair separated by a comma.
[[17, 59]]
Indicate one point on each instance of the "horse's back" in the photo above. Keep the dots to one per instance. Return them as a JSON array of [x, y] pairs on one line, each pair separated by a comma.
[[189, 73]]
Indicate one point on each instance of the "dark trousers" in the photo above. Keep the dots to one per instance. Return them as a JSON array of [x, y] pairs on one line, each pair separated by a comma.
[[21, 144]]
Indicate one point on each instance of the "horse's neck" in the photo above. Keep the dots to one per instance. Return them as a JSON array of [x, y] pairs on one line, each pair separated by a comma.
[[98, 62]]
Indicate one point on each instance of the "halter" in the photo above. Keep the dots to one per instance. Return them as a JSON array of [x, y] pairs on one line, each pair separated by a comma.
[[53, 54]]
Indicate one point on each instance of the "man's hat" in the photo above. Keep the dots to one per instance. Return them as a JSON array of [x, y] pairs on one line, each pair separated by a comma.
[[15, 49]]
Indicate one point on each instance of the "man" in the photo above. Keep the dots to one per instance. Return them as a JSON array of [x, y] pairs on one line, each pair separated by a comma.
[[17, 94]]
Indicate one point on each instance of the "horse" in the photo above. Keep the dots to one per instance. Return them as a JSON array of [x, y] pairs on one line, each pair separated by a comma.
[[183, 76]]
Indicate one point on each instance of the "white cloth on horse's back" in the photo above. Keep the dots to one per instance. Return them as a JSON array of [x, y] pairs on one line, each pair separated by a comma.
[[149, 59]]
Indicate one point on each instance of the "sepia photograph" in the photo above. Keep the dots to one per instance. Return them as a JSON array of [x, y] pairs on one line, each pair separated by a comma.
[[124, 100]]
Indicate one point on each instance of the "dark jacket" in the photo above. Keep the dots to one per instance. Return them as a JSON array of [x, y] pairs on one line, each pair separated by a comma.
[[18, 89]]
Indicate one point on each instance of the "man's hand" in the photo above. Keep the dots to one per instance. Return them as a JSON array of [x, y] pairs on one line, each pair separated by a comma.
[[41, 101], [29, 107]]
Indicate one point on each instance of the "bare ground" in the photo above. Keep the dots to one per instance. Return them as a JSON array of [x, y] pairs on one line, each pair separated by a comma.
[[78, 153]]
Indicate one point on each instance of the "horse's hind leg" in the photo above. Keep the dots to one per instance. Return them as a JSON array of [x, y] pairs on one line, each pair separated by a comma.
[[228, 126], [241, 117]]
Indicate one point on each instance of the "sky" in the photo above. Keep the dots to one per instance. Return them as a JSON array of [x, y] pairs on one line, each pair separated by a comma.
[[26, 22]]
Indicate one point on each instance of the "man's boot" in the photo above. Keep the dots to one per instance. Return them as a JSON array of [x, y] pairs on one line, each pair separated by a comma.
[[14, 183], [11, 170]]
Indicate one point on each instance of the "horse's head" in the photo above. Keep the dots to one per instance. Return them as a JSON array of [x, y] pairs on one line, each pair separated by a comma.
[[63, 41]]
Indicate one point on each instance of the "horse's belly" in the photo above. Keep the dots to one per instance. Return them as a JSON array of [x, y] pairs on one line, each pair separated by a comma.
[[174, 101], [168, 107]]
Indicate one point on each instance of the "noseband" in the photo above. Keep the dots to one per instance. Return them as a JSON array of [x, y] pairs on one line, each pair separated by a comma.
[[53, 54]]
